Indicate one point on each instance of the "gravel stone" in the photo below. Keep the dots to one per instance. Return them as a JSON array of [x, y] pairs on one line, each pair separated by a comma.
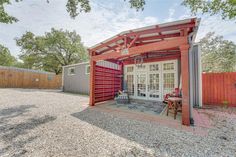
[[51, 123]]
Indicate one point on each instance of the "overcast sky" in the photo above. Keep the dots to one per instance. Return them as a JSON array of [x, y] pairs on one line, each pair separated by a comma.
[[107, 18]]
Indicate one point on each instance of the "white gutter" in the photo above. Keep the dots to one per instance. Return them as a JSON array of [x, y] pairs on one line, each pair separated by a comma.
[[75, 64]]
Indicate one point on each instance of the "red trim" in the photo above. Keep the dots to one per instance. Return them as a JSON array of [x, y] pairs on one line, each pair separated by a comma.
[[92, 86], [133, 41], [185, 84], [149, 60], [161, 45], [163, 29], [157, 29], [159, 37], [141, 40]]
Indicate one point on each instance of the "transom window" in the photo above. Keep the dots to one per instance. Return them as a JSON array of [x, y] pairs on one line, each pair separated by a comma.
[[168, 66], [154, 67], [130, 69], [141, 67]]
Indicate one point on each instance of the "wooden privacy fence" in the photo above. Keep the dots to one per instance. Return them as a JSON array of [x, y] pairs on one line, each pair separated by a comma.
[[219, 88], [11, 77]]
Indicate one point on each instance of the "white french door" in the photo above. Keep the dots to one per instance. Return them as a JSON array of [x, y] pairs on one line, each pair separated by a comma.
[[151, 81], [154, 91], [141, 85], [154, 81]]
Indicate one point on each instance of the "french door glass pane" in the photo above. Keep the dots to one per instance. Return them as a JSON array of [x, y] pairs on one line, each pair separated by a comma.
[[130, 84], [154, 90], [141, 85], [168, 82]]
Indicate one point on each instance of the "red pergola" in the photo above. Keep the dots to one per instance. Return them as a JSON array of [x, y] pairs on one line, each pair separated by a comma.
[[158, 42]]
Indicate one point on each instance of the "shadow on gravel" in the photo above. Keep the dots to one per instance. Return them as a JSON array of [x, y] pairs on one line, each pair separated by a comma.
[[121, 127], [12, 112], [30, 90], [10, 130]]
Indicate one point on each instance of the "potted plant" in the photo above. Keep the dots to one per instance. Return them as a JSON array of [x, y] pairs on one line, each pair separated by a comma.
[[225, 104]]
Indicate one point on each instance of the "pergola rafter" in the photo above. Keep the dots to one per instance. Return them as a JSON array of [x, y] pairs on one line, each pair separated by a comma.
[[156, 29], [161, 45]]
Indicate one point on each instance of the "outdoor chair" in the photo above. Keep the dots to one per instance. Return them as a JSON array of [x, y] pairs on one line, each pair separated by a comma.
[[175, 105], [175, 93], [122, 97]]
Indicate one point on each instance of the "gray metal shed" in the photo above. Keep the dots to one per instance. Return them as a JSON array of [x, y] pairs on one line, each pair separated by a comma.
[[76, 78]]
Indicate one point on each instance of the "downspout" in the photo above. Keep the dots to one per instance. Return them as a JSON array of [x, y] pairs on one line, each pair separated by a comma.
[[62, 82], [190, 42]]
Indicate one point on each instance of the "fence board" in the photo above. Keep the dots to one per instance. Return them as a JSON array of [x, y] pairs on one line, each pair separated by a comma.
[[24, 78], [219, 87]]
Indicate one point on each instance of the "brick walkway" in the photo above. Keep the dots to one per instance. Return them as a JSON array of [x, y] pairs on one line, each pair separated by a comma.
[[201, 121]]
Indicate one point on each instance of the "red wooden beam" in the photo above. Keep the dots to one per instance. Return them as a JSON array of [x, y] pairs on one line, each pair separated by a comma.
[[92, 82], [163, 29], [157, 29], [133, 41], [185, 84], [110, 48], [157, 59], [141, 40], [161, 45], [170, 49], [103, 44], [125, 41], [114, 48], [159, 37], [154, 54]]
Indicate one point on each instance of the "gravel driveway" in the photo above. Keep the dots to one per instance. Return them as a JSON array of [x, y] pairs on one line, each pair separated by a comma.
[[52, 123]]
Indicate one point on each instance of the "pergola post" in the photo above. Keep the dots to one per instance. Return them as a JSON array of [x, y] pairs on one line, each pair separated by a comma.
[[92, 81], [184, 49]]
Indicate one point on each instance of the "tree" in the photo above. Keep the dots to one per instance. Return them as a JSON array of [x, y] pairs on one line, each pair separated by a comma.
[[218, 55], [227, 8], [6, 59], [51, 51], [74, 8]]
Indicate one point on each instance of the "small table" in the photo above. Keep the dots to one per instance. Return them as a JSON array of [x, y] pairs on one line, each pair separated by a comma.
[[174, 104]]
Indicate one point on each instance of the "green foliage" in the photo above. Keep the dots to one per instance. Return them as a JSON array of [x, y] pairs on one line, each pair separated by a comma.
[[6, 59], [225, 104], [51, 51], [4, 17], [227, 8], [218, 55], [137, 4], [73, 7]]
